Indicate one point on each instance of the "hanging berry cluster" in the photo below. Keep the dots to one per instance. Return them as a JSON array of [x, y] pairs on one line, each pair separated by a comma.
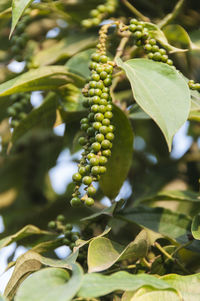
[[19, 109], [142, 37], [20, 39], [97, 127], [59, 226], [193, 85], [98, 14]]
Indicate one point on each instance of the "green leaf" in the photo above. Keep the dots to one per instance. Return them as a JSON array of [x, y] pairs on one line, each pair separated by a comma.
[[161, 92], [51, 284], [195, 228], [63, 49], [149, 294], [136, 112], [120, 161], [26, 231], [18, 7], [96, 285], [188, 286], [171, 224], [103, 253], [174, 195], [79, 63], [158, 34], [44, 78]]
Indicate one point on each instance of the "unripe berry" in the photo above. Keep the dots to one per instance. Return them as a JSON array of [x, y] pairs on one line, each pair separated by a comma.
[[99, 137], [87, 180], [77, 177], [96, 146], [105, 144], [91, 190], [94, 161], [89, 202]]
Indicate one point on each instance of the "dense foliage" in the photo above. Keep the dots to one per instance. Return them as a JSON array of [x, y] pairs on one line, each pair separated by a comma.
[[122, 77]]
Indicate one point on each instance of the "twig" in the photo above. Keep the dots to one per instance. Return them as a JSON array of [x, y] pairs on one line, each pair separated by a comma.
[[174, 260], [146, 263], [170, 17], [135, 11]]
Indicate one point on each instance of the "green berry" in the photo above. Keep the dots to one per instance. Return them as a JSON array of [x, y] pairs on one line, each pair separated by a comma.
[[89, 202], [137, 34], [157, 56], [92, 140], [155, 48], [111, 128], [91, 116], [150, 55], [106, 153], [105, 95], [107, 82], [77, 177], [110, 136], [132, 27], [108, 68], [86, 23], [91, 190], [99, 117], [105, 144], [134, 21], [99, 85], [74, 238], [169, 62], [95, 57], [152, 42], [99, 69], [96, 99], [95, 77], [90, 155], [95, 170], [82, 140], [75, 202], [82, 170], [103, 75], [90, 131], [94, 161], [102, 109], [72, 245], [102, 169], [96, 146], [148, 47], [95, 108], [109, 107], [103, 59], [164, 58], [94, 13], [103, 130], [87, 180], [99, 137], [11, 111], [91, 92], [96, 125], [97, 92], [60, 218], [108, 115], [84, 126], [85, 103], [92, 84], [68, 227], [52, 225], [162, 51], [103, 102], [92, 65], [103, 160], [106, 121], [105, 90]]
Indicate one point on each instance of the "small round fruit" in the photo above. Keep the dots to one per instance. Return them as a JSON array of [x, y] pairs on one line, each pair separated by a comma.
[[77, 177], [91, 190], [103, 130], [60, 218], [87, 180], [103, 160], [103, 75], [103, 59], [99, 117], [52, 225], [99, 137], [82, 140], [68, 227], [90, 156], [96, 146], [110, 136], [106, 121], [89, 202], [105, 144], [106, 153], [82, 170], [95, 57], [102, 169], [96, 125], [94, 161], [107, 82], [95, 170]]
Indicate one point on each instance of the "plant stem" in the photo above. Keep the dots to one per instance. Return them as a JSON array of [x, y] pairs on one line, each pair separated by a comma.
[[174, 260], [170, 17], [146, 263], [135, 11]]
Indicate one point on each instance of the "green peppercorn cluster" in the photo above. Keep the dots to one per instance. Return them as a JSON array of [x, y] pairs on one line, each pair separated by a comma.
[[59, 225], [98, 14], [20, 39], [97, 129], [193, 85], [142, 37], [18, 110]]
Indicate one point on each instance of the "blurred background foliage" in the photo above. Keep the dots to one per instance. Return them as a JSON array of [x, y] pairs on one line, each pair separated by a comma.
[[156, 178]]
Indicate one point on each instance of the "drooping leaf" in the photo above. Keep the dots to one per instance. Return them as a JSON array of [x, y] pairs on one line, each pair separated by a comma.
[[26, 231], [44, 78], [150, 294], [96, 285], [103, 253], [63, 49], [161, 92], [18, 7], [195, 228], [175, 195], [120, 161], [51, 284], [166, 222]]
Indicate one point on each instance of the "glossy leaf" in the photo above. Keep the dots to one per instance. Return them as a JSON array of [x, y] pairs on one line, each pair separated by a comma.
[[120, 161], [96, 285], [103, 253], [168, 103], [175, 195], [51, 284], [44, 78], [18, 7], [195, 228], [26, 231], [149, 294]]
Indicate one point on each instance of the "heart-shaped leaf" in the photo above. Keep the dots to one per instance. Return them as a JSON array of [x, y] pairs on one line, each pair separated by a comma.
[[161, 92]]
